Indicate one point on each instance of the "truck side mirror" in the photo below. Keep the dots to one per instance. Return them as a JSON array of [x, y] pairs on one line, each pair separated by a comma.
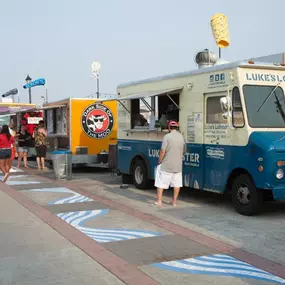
[[226, 106]]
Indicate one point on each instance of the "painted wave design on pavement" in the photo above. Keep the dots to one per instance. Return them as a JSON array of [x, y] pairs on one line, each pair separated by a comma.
[[219, 264], [18, 182], [75, 198], [78, 219], [13, 177]]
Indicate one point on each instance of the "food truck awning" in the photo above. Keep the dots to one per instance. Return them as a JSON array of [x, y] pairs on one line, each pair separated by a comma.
[[13, 109], [42, 108], [145, 95], [52, 107], [150, 94]]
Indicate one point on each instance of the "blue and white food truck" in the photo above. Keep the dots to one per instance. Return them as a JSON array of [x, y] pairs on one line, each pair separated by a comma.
[[232, 116]]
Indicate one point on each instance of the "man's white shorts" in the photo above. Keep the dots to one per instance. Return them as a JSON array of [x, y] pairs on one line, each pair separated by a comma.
[[165, 180]]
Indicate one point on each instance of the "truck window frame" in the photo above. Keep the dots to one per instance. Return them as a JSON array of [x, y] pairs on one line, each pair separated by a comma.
[[207, 108], [236, 92], [246, 106]]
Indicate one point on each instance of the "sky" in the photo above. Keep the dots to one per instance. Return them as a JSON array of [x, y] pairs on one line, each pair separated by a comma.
[[132, 39]]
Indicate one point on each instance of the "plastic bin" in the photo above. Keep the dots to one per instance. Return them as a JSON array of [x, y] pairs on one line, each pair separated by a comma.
[[62, 164]]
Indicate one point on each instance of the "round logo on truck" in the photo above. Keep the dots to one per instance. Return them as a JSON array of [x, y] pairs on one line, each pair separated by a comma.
[[97, 121]]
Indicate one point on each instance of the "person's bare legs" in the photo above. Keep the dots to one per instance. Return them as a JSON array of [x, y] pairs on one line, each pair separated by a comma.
[[9, 163], [159, 197], [7, 167], [43, 160], [21, 154], [25, 160], [2, 166], [39, 163], [175, 195]]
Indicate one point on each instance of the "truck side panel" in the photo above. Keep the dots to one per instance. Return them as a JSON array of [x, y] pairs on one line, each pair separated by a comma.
[[192, 163], [82, 135]]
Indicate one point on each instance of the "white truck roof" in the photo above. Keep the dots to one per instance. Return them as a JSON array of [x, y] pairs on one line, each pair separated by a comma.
[[214, 68]]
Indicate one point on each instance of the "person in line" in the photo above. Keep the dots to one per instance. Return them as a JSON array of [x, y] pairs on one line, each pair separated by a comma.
[[13, 152], [23, 138], [169, 169], [6, 141], [40, 134]]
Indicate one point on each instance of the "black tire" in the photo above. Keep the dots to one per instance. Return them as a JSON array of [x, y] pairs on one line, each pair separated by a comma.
[[144, 182], [246, 199], [127, 179]]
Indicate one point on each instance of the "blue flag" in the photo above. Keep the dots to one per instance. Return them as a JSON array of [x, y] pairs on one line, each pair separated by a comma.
[[38, 82]]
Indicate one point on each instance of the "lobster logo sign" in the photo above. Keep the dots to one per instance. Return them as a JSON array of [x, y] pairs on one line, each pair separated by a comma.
[[97, 121]]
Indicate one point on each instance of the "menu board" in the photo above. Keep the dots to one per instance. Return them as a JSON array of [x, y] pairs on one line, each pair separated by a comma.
[[50, 121], [61, 119]]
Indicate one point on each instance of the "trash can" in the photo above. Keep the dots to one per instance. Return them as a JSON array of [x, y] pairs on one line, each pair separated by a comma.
[[62, 164]]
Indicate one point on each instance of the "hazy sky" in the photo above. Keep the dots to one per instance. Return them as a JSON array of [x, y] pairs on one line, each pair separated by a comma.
[[132, 39]]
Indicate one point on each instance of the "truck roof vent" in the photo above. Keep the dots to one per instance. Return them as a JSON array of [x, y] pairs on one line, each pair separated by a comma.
[[205, 58]]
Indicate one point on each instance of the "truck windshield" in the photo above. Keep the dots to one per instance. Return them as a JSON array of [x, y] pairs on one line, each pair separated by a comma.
[[268, 116]]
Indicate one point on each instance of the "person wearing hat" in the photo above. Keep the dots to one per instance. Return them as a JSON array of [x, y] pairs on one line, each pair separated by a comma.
[[169, 169]]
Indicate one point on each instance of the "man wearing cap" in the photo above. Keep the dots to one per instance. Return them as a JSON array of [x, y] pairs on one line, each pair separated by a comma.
[[169, 169]]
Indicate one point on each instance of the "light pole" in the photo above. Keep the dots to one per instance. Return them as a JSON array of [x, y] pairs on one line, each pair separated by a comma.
[[97, 85], [28, 80], [95, 66]]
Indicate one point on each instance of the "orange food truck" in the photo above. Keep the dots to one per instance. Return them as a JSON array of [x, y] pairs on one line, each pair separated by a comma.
[[87, 127]]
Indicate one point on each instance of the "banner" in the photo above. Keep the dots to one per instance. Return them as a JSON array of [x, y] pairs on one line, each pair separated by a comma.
[[11, 92], [38, 82]]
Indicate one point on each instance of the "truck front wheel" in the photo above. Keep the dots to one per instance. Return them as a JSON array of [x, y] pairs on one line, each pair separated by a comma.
[[246, 199], [140, 175]]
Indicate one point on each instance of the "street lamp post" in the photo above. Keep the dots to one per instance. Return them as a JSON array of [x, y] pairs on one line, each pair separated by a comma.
[[96, 66], [98, 85], [28, 80]]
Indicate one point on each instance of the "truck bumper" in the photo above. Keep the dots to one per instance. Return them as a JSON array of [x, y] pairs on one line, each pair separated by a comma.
[[278, 193]]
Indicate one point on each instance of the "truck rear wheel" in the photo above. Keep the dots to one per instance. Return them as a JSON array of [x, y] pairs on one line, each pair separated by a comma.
[[140, 175], [246, 199]]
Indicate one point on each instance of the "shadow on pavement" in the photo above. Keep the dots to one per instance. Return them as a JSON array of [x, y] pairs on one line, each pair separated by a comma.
[[187, 195]]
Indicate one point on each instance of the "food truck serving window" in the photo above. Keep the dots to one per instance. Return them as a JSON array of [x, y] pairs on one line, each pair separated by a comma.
[[56, 117], [162, 105]]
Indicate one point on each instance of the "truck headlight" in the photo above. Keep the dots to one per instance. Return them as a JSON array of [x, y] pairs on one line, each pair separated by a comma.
[[279, 174]]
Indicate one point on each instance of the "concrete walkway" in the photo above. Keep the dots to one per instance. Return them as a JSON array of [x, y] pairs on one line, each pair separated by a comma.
[[31, 252], [70, 230]]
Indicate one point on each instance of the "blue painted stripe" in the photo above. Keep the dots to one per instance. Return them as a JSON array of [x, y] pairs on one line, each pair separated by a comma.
[[78, 219], [224, 266], [122, 236], [221, 266], [123, 231], [219, 261], [53, 190], [78, 215]]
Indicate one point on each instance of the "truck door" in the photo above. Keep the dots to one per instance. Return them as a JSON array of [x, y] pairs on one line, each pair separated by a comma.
[[216, 143]]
